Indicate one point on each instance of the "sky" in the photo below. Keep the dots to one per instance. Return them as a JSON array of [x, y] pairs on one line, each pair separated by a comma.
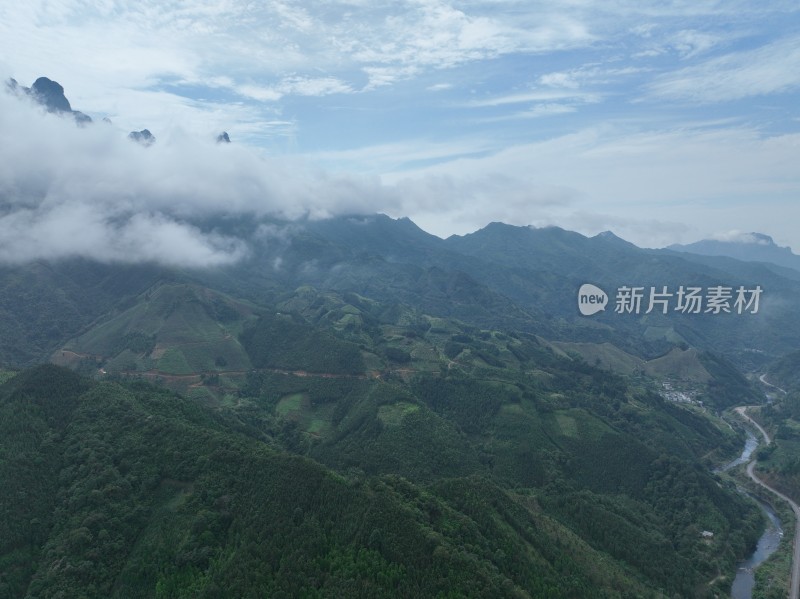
[[664, 122]]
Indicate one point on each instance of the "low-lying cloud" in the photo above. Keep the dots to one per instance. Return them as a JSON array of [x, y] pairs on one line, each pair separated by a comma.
[[91, 192], [736, 236]]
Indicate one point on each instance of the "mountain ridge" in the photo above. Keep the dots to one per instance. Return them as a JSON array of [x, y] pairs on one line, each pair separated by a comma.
[[750, 247], [49, 94]]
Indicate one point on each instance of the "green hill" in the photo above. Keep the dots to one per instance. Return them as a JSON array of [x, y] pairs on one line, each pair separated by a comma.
[[603, 355], [785, 372], [681, 364], [542, 476], [133, 492], [42, 305], [366, 409], [170, 329]]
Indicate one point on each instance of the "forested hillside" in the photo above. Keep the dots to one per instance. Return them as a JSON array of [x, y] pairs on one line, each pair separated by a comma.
[[362, 422], [485, 483]]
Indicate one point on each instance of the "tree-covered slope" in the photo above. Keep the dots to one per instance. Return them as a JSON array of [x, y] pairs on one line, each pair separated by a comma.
[[576, 439], [126, 491], [42, 305], [436, 422], [172, 328], [785, 372]]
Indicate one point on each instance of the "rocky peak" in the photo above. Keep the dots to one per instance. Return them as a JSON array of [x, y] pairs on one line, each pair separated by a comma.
[[143, 137], [50, 94]]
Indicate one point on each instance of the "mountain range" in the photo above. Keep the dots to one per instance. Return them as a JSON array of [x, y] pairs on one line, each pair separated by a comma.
[[502, 276], [750, 247]]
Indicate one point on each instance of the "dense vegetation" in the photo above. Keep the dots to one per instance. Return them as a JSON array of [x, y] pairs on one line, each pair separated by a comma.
[[278, 341], [786, 371], [400, 428], [781, 460], [131, 491]]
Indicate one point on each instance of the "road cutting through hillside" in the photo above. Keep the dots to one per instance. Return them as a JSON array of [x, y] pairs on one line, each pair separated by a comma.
[[794, 589], [763, 379], [198, 375]]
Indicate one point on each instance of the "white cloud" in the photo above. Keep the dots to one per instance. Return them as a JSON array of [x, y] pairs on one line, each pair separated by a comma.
[[537, 95], [260, 93], [297, 85], [444, 204], [591, 74], [142, 44], [199, 66], [91, 192], [534, 112], [438, 87], [563, 80], [684, 43], [769, 69], [690, 43], [704, 177], [436, 34], [737, 236], [383, 158], [382, 76]]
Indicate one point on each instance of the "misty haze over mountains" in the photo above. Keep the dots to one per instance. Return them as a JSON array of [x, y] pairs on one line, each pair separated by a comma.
[[88, 192], [49, 94], [750, 247]]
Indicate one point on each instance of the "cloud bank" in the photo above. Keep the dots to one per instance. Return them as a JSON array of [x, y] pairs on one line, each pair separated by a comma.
[[92, 193], [736, 236]]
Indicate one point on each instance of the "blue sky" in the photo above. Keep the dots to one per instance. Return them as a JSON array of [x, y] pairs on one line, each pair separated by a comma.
[[662, 121]]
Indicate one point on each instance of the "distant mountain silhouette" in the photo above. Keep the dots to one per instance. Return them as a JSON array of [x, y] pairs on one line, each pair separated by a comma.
[[143, 137], [50, 94], [749, 247]]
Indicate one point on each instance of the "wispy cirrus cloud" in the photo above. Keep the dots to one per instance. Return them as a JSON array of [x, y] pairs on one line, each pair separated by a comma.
[[296, 85], [769, 69], [264, 53], [686, 43], [537, 111]]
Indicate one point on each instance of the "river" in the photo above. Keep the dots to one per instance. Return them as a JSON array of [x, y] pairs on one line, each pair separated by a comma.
[[768, 543], [750, 446]]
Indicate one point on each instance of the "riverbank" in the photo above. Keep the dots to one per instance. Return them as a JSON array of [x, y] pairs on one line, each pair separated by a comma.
[[772, 583], [769, 543], [746, 578]]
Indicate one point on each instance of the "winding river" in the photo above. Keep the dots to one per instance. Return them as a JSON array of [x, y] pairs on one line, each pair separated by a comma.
[[767, 545], [750, 445], [769, 541]]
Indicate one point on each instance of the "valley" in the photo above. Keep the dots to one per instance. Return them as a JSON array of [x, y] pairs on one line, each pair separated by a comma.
[[399, 300]]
